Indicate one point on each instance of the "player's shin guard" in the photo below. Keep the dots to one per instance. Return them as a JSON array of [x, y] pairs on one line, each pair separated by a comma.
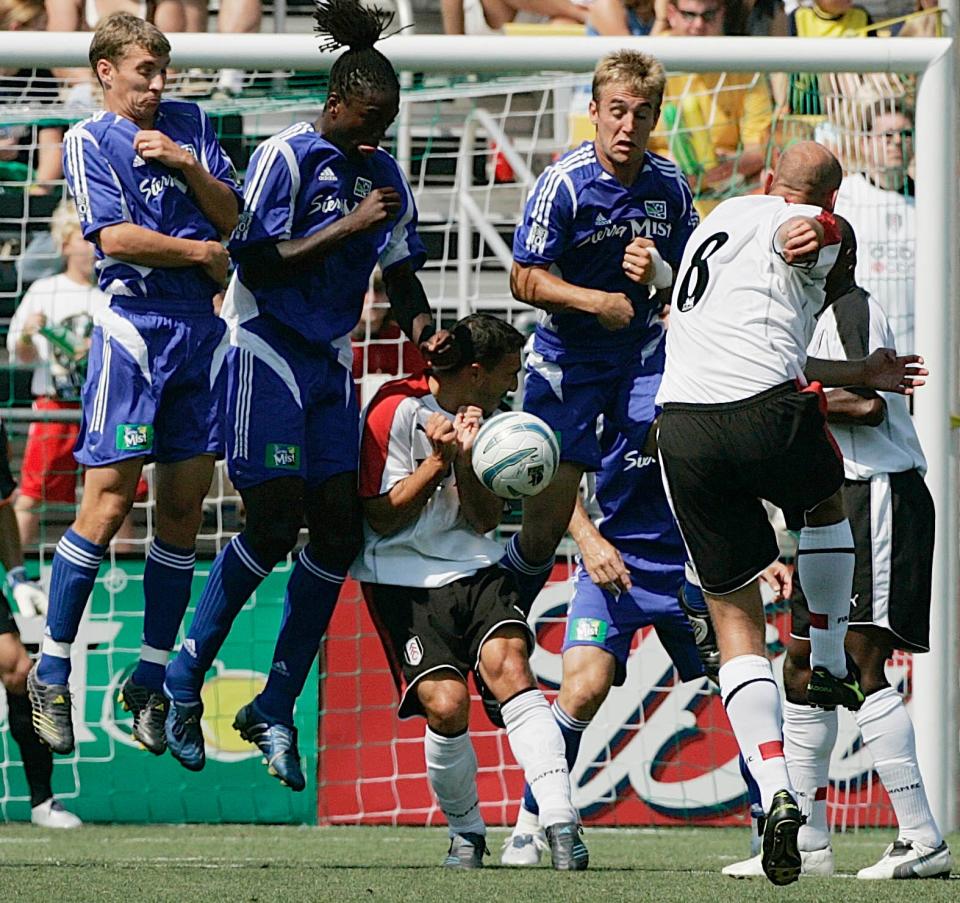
[[531, 576], [75, 565], [167, 579], [809, 734], [452, 771], [888, 734], [825, 561], [234, 577], [538, 746], [312, 593], [571, 729], [752, 700], [36, 757]]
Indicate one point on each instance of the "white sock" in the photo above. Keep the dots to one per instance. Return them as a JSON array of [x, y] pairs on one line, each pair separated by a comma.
[[825, 561], [752, 700], [537, 745], [809, 734], [887, 732], [527, 822], [452, 770]]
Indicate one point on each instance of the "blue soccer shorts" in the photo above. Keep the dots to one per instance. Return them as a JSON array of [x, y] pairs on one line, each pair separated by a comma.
[[291, 412], [597, 617], [155, 387]]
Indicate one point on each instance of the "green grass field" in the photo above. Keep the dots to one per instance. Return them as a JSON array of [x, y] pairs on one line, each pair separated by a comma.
[[246, 863]]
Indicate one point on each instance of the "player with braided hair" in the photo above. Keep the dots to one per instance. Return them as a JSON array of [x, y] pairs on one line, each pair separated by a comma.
[[324, 205]]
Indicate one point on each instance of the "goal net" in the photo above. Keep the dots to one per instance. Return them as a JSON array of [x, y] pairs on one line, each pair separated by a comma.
[[659, 751]]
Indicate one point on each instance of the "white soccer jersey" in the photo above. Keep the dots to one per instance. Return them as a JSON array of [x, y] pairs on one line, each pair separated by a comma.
[[850, 328], [439, 546], [885, 225], [741, 317]]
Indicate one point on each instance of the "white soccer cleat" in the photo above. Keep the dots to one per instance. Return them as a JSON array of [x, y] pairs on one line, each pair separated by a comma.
[[813, 864], [909, 859], [523, 849], [51, 814]]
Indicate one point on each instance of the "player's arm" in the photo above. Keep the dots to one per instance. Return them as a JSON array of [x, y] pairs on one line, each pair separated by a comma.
[[478, 505], [799, 240], [603, 562], [402, 503], [856, 407], [882, 370], [411, 310], [135, 244]]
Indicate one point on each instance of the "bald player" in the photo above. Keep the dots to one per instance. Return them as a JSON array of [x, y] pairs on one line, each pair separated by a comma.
[[744, 421]]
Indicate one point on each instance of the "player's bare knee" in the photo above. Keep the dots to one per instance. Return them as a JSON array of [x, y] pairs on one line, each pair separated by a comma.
[[99, 524], [272, 542], [505, 665], [15, 678], [582, 694], [446, 703]]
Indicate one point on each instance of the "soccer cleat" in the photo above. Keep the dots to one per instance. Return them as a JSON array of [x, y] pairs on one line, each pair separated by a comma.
[[569, 852], [828, 691], [780, 856], [523, 849], [149, 710], [52, 815], [466, 851], [52, 716], [277, 742], [813, 864], [909, 859], [490, 704], [703, 635], [184, 733]]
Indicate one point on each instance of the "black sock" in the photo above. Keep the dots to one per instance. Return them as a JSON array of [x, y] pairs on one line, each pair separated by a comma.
[[37, 758]]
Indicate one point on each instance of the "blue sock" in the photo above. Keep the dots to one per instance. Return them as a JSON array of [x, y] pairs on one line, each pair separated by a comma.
[[572, 730], [75, 566], [167, 579], [234, 577], [753, 789], [531, 578], [312, 593], [693, 596]]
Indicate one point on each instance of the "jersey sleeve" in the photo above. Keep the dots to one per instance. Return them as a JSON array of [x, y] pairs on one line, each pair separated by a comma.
[[215, 161], [270, 195], [403, 244], [386, 444], [547, 224], [92, 182]]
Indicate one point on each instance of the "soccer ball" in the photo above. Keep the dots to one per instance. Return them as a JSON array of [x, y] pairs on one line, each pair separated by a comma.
[[515, 455]]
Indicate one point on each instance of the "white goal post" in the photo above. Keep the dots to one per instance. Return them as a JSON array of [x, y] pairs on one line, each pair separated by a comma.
[[931, 59]]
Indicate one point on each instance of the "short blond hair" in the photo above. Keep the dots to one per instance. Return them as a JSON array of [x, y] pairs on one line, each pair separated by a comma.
[[641, 72], [64, 222], [117, 34], [20, 13]]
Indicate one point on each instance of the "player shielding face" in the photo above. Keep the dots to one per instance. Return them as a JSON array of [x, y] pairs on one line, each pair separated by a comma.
[[441, 604], [155, 192], [741, 424], [325, 205], [601, 232]]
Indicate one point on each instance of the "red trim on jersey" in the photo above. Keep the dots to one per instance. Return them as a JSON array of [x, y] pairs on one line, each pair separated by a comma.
[[375, 438], [772, 749], [821, 794], [819, 621], [831, 231]]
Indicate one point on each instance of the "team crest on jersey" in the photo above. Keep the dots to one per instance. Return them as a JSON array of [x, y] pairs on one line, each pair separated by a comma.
[[656, 209], [413, 651], [327, 175], [362, 187], [282, 455], [134, 437]]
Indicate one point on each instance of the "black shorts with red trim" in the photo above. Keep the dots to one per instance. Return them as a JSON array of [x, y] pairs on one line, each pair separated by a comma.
[[425, 630], [720, 460], [892, 519]]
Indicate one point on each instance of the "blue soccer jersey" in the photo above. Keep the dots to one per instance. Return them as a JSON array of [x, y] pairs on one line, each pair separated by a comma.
[[580, 219], [112, 184], [298, 183]]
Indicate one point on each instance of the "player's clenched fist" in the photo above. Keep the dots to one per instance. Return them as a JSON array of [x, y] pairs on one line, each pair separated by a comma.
[[638, 262], [615, 311], [443, 437], [216, 261], [467, 424], [380, 205], [153, 145]]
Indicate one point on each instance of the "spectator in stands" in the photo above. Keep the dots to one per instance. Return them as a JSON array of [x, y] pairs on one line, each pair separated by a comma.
[[722, 120], [28, 153], [622, 17], [922, 26], [484, 17], [167, 15], [50, 330]]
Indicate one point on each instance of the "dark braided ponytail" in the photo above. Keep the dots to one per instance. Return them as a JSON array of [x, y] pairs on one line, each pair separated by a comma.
[[362, 70]]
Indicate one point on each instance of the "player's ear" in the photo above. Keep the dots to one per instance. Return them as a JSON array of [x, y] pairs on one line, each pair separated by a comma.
[[592, 109], [768, 182], [104, 72], [333, 104]]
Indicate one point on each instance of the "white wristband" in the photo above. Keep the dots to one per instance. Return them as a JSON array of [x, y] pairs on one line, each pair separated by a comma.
[[662, 271]]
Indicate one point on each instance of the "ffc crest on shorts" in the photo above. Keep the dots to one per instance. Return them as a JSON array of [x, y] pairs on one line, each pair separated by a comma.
[[413, 651]]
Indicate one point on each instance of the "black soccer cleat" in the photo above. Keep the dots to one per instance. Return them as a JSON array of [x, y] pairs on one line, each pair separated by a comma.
[[52, 714], [704, 636], [185, 734], [828, 691], [780, 854], [466, 851], [277, 742], [490, 704], [567, 848], [149, 708]]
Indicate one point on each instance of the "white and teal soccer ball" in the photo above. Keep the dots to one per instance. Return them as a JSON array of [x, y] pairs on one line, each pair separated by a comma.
[[515, 455]]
